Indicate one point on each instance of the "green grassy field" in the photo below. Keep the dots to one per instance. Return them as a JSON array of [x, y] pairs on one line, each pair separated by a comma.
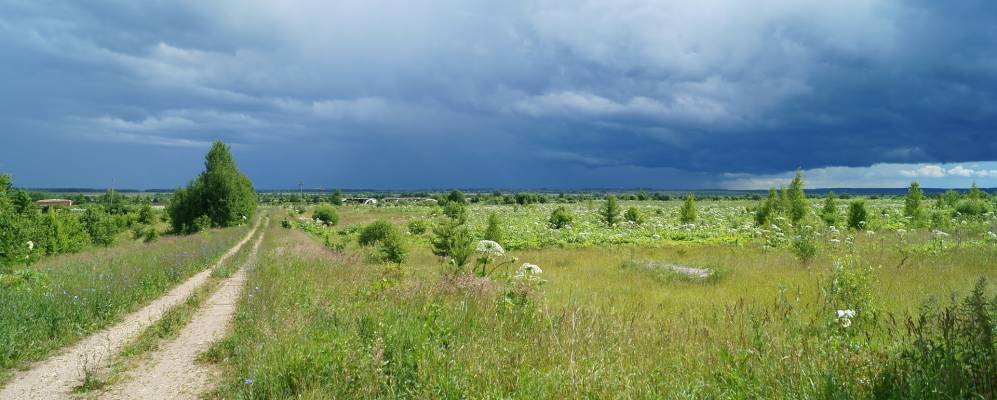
[[321, 319]]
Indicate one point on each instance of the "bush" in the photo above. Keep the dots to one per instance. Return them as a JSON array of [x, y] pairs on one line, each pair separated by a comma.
[[912, 205], [375, 232], [560, 218], [857, 215], [201, 223], [221, 193], [327, 214], [950, 354], [805, 244], [830, 211], [146, 216], [99, 226], [611, 211], [796, 199], [454, 241], [455, 211], [417, 227], [633, 215], [494, 230], [688, 212], [392, 248]]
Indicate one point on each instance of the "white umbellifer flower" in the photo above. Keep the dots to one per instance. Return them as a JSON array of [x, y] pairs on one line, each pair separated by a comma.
[[491, 248], [845, 317], [528, 268], [902, 231], [939, 233], [31, 245], [870, 232]]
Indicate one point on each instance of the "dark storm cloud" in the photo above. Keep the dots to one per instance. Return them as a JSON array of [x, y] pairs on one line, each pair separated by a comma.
[[552, 93]]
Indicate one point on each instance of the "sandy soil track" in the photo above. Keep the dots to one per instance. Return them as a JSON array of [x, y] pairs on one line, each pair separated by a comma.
[[55, 377], [171, 372]]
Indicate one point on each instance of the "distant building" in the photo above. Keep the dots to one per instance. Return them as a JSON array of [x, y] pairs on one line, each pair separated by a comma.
[[361, 200], [54, 203], [408, 199]]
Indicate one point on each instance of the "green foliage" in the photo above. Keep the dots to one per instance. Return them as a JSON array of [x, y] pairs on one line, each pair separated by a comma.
[[560, 218], [456, 196], [857, 215], [687, 214], [454, 241], [61, 232], [804, 244], [493, 231], [633, 215], [610, 211], [948, 354], [327, 214], [455, 211], [418, 227], [768, 209], [796, 199], [221, 193], [100, 226], [829, 213], [849, 287], [146, 216], [912, 206], [392, 248], [375, 232]]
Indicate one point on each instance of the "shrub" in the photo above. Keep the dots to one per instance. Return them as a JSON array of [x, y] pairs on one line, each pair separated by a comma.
[[456, 196], [796, 199], [453, 241], [912, 205], [455, 211], [493, 231], [327, 214], [560, 218], [633, 215], [950, 354], [417, 227], [221, 193], [201, 223], [99, 226], [687, 214], [767, 210], [375, 232], [611, 211], [151, 234], [830, 211], [857, 214], [392, 248], [146, 216], [805, 244]]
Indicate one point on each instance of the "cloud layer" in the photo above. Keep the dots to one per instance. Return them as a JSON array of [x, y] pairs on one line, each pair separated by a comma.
[[516, 94]]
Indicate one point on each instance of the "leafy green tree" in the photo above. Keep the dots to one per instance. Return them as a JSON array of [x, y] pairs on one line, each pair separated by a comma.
[[611, 211], [830, 211], [764, 214], [796, 199], [560, 218], [327, 214], [456, 196], [687, 214], [857, 215], [912, 205], [221, 193], [454, 241], [633, 215], [493, 231]]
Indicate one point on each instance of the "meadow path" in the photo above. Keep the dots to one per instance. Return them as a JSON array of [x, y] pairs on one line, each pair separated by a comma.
[[56, 377], [171, 372]]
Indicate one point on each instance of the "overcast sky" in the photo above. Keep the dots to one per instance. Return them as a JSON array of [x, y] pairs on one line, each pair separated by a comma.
[[559, 94]]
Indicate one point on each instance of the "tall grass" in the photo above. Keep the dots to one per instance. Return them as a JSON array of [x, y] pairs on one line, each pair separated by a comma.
[[62, 299], [318, 323]]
